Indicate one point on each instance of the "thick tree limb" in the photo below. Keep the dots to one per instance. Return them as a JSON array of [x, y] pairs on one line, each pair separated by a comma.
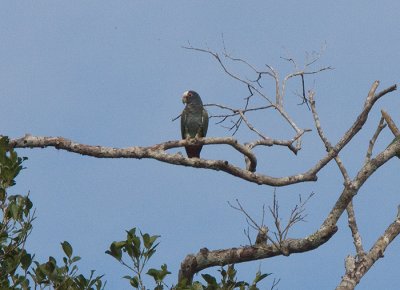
[[205, 258], [158, 151]]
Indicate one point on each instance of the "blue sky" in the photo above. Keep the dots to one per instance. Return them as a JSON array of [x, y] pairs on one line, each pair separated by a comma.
[[112, 73]]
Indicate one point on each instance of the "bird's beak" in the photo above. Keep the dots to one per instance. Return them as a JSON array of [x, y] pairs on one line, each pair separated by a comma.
[[184, 99]]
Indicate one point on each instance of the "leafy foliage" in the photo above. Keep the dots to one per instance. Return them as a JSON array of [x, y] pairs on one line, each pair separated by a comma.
[[18, 269], [15, 224], [228, 281], [139, 249], [65, 276]]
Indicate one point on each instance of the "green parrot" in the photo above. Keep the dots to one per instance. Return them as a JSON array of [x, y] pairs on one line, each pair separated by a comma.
[[194, 121]]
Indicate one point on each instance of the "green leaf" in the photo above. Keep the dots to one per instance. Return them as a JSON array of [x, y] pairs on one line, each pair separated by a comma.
[[13, 209], [26, 261], [120, 244], [131, 232], [164, 272], [136, 247], [134, 282], [49, 267], [146, 240], [149, 253], [223, 273], [67, 248], [75, 259], [260, 277], [115, 251], [74, 269], [28, 206], [196, 286], [210, 279], [154, 273], [129, 249], [231, 272], [241, 284]]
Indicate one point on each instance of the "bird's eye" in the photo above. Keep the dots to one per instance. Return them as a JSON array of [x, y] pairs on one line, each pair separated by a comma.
[[189, 94]]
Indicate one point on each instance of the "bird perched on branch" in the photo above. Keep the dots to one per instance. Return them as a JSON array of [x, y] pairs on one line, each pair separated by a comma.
[[194, 121]]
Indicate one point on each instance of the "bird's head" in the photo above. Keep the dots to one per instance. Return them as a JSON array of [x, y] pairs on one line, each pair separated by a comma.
[[191, 97]]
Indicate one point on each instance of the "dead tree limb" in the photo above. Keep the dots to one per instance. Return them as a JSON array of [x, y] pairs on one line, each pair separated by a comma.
[[355, 271], [391, 124], [195, 263], [192, 264], [158, 151], [354, 230], [379, 129], [256, 89], [205, 259]]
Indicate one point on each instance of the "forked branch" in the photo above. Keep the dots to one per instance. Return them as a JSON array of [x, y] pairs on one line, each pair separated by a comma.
[[158, 152], [192, 264], [257, 90], [355, 271]]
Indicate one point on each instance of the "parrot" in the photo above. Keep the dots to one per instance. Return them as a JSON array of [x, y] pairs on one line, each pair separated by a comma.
[[194, 121]]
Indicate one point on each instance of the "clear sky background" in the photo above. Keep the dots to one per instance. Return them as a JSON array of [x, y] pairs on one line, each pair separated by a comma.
[[112, 73]]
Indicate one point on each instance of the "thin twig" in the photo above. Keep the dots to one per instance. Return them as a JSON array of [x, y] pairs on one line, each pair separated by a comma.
[[378, 130], [317, 121], [253, 224]]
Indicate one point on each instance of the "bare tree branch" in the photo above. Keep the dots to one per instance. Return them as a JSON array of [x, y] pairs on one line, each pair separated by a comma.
[[271, 142], [379, 129], [350, 190], [301, 73], [391, 124], [356, 127], [354, 230], [275, 283], [324, 139], [354, 274], [317, 121], [254, 85], [262, 236], [158, 151], [350, 211], [194, 263], [251, 127]]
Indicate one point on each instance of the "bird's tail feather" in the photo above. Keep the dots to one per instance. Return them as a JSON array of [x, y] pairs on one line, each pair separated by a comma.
[[193, 151]]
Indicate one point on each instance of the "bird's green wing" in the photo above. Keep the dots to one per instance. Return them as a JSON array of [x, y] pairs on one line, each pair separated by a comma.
[[183, 124], [204, 122]]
